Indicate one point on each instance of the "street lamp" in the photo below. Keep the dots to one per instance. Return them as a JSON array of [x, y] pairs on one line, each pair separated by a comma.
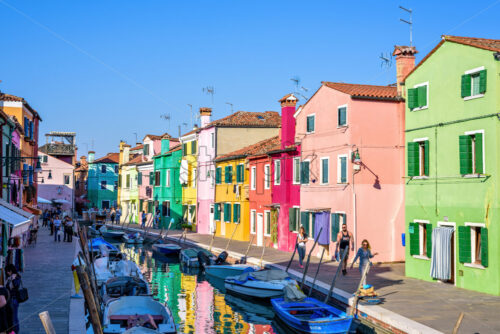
[[355, 157]]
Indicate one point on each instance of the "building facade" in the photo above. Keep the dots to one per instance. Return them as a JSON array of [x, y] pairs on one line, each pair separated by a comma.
[[102, 180], [188, 177], [56, 182]]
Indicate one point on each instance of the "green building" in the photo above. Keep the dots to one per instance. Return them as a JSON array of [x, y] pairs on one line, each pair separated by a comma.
[[452, 136], [102, 181], [167, 191]]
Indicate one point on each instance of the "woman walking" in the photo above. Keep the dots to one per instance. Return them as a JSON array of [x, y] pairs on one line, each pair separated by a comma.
[[112, 216], [13, 284], [118, 215], [301, 245], [364, 254], [5, 320]]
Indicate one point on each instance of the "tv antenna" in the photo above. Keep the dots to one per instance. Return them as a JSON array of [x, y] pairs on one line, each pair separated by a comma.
[[191, 113], [299, 88], [231, 106], [167, 118], [135, 133], [386, 60], [410, 22], [210, 90]]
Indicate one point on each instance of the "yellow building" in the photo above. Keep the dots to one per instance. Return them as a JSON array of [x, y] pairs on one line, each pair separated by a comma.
[[188, 177]]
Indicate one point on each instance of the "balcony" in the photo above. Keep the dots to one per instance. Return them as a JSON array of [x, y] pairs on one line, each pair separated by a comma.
[[60, 149]]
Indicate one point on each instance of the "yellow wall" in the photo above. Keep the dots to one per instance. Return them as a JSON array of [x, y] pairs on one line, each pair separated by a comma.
[[26, 149], [189, 191], [232, 139], [224, 193]]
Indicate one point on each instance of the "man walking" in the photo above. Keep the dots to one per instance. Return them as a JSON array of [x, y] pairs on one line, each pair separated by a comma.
[[69, 226], [57, 226], [344, 238], [143, 218]]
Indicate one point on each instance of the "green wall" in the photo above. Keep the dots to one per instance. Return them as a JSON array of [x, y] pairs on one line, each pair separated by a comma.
[[94, 192]]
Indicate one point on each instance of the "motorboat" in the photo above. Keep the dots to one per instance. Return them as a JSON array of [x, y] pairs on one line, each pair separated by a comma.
[[311, 316], [110, 234], [106, 268], [124, 286], [222, 271], [93, 232], [137, 314], [190, 256], [167, 249], [266, 283], [101, 248], [133, 238]]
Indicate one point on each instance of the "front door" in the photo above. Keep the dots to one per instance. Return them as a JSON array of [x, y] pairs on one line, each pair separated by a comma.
[[212, 222], [260, 229], [222, 224]]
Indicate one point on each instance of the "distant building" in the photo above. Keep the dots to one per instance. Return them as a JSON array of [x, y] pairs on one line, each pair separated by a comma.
[[55, 182], [81, 175], [102, 180]]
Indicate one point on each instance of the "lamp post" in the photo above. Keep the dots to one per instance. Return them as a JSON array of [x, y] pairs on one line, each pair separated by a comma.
[[356, 167]]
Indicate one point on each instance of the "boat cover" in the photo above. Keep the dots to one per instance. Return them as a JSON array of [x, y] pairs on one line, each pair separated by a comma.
[[95, 244], [126, 268], [292, 293], [262, 275], [193, 252]]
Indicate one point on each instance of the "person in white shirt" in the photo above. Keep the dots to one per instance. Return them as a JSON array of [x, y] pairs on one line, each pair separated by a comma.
[[57, 227]]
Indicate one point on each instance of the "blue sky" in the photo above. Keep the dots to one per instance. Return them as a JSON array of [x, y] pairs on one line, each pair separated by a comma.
[[109, 69]]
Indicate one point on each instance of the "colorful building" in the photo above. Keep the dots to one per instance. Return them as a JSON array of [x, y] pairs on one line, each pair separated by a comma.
[[102, 180], [81, 175], [129, 190], [452, 139], [56, 181], [220, 137], [188, 177]]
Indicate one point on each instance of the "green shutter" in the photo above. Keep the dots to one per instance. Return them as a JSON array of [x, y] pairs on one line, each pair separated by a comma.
[[151, 178], [465, 154], [422, 96], [414, 233], [429, 241], [478, 153], [313, 219], [184, 149], [291, 219], [216, 211], [412, 98], [342, 113], [304, 220], [218, 175], [484, 246], [324, 171], [310, 123], [193, 147], [426, 157], [227, 212], [236, 213], [240, 173], [335, 228], [343, 169], [464, 247], [466, 85], [304, 172], [482, 82], [139, 178]]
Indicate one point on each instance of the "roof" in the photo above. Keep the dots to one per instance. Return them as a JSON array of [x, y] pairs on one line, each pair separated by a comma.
[[13, 98], [163, 136], [267, 119], [364, 91], [138, 147], [256, 149], [110, 158], [136, 159], [480, 43], [177, 147]]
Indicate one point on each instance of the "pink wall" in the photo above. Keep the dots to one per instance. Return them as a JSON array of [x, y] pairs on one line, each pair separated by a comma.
[[55, 188], [260, 198], [206, 178], [374, 202]]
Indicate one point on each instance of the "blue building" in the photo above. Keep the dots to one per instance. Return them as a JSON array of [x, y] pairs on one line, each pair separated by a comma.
[[102, 180]]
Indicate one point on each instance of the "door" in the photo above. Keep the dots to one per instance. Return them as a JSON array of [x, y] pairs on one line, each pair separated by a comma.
[[452, 256], [212, 221], [260, 229], [222, 222], [105, 204]]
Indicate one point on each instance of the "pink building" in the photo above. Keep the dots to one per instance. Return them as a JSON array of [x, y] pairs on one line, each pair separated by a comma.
[[352, 169], [55, 182], [16, 180], [285, 174]]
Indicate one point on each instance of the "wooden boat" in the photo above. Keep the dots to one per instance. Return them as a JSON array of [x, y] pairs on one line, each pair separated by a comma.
[[110, 234], [133, 238], [124, 286], [167, 249], [189, 256], [222, 271], [93, 232], [268, 283], [106, 268], [125, 313], [312, 316]]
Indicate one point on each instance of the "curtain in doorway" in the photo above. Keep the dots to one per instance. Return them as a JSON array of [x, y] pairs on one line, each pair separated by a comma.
[[322, 221], [441, 253]]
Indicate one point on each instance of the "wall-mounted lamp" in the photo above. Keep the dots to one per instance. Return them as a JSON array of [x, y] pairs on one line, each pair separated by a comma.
[[355, 157]]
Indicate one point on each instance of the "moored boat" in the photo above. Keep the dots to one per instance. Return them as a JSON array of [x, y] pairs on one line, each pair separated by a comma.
[[106, 268], [133, 238], [267, 283], [124, 286], [222, 271], [110, 234], [189, 256], [167, 249]]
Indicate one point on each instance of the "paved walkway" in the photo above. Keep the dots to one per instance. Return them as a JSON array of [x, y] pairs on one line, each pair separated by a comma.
[[49, 280], [436, 305]]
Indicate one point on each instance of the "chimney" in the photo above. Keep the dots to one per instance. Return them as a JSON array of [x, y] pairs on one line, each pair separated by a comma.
[[288, 103], [205, 114], [165, 145], [405, 62], [126, 153], [83, 160], [91, 156]]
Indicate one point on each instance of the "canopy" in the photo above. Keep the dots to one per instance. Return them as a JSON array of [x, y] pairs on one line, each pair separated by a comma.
[[61, 201], [41, 200], [17, 218]]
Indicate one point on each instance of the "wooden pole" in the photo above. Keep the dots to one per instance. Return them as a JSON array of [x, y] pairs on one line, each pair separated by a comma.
[[232, 235], [262, 255], [336, 275], [317, 271], [89, 299], [47, 322], [309, 259], [212, 242], [244, 259], [356, 294], [459, 322], [293, 254]]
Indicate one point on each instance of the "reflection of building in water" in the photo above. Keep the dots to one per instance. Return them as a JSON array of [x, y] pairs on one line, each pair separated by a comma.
[[188, 302], [225, 320], [167, 287], [204, 308]]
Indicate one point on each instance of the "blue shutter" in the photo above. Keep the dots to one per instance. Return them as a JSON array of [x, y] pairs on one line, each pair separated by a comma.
[[343, 169]]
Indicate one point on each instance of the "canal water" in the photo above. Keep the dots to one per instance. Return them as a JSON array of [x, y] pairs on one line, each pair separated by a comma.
[[198, 305]]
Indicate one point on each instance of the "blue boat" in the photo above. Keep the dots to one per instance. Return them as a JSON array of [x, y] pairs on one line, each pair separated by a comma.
[[167, 249], [95, 244], [312, 316]]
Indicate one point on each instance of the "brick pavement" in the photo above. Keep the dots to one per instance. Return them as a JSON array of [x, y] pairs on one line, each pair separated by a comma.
[[49, 280]]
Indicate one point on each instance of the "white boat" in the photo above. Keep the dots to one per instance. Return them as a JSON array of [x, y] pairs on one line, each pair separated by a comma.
[[267, 283], [189, 256], [105, 269], [124, 286], [134, 238], [222, 271], [125, 313]]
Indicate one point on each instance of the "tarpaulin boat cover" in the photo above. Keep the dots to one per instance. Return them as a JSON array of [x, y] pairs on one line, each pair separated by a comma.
[[441, 253], [292, 293], [263, 275]]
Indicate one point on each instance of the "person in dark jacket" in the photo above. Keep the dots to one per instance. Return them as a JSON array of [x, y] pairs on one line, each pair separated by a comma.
[[13, 283]]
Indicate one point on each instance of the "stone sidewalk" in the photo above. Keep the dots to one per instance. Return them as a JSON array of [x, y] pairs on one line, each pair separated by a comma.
[[49, 281], [436, 305]]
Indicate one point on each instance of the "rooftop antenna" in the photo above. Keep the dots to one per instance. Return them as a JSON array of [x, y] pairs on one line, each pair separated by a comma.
[[210, 90], [231, 106], [299, 88], [167, 118], [191, 113], [410, 22], [386, 60], [135, 133]]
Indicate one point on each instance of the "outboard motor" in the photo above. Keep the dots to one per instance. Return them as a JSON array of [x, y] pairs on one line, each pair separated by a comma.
[[221, 258], [203, 259]]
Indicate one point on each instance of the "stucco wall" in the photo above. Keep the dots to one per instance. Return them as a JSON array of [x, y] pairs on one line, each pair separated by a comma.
[[206, 178], [231, 139]]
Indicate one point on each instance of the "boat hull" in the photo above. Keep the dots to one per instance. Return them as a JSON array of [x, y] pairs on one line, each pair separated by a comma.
[[113, 235], [255, 290], [223, 271], [191, 260], [167, 249]]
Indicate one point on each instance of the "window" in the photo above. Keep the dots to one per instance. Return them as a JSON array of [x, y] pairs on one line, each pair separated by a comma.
[[296, 170], [217, 211], [253, 221], [236, 213], [474, 83], [342, 169], [127, 182], [218, 175], [293, 219], [277, 172], [337, 219], [157, 178], [103, 169], [418, 157], [310, 123], [184, 149], [254, 178], [212, 137], [418, 97], [420, 232], [165, 209], [116, 168], [267, 223], [139, 178], [228, 174], [45, 159], [473, 245], [240, 173], [145, 150], [227, 212], [193, 178], [342, 115], [193, 147], [471, 148], [67, 178], [103, 185], [151, 178], [167, 178], [304, 172], [324, 170], [115, 186], [267, 176]]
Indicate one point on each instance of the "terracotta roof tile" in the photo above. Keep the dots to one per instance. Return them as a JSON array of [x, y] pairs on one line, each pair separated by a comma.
[[13, 98], [163, 136], [259, 148], [364, 91], [267, 119], [136, 159], [110, 158], [138, 147]]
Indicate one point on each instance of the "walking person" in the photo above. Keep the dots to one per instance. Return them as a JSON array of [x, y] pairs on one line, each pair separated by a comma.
[[301, 245], [13, 283], [45, 218], [118, 215], [57, 227], [64, 228], [157, 218], [69, 227], [364, 255], [5, 310], [112, 216], [344, 238], [143, 219]]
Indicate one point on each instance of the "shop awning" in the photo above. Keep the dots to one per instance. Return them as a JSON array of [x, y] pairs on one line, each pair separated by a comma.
[[17, 218], [41, 200], [32, 210]]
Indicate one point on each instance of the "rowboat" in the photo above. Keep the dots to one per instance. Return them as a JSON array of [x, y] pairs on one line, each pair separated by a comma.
[[189, 256], [267, 283], [125, 313], [167, 249], [311, 316], [222, 271], [106, 268], [110, 234], [124, 286], [133, 238]]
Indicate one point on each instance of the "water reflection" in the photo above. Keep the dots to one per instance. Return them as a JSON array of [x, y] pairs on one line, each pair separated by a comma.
[[199, 306]]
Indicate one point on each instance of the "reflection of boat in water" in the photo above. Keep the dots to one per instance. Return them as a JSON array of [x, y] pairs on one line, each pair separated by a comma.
[[253, 312], [167, 249], [222, 271], [267, 283], [133, 238]]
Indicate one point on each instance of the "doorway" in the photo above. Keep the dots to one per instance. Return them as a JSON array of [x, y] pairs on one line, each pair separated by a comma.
[[105, 205], [222, 223], [212, 221], [260, 229], [452, 251]]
